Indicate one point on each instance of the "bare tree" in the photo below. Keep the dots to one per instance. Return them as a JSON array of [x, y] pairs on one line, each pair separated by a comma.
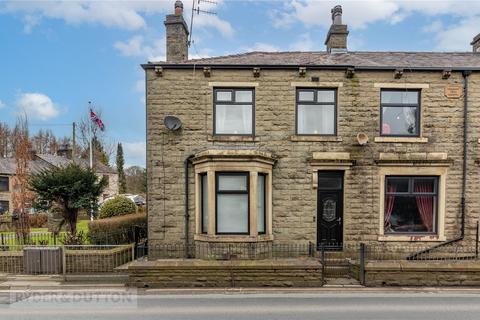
[[22, 196], [4, 140]]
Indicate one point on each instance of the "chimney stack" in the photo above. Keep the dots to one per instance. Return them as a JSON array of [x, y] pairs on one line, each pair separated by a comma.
[[65, 151], [177, 35], [338, 33], [476, 43]]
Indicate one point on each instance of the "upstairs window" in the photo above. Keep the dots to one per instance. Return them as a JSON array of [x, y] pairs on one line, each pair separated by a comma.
[[410, 204], [4, 187], [400, 113], [233, 111], [316, 112]]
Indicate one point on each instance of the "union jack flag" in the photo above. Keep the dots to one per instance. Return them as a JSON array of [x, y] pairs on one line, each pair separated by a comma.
[[97, 120]]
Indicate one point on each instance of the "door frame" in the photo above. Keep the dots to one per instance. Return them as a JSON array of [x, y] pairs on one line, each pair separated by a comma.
[[333, 173]]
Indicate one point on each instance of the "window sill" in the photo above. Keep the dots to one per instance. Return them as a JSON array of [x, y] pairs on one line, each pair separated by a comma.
[[411, 238], [232, 238], [233, 138], [401, 139], [297, 138]]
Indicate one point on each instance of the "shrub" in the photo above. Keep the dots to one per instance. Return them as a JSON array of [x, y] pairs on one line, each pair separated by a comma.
[[38, 220], [116, 230], [117, 206], [78, 238]]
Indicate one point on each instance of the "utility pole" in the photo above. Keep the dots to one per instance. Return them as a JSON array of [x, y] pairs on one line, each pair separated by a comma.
[[89, 121], [91, 134], [74, 144]]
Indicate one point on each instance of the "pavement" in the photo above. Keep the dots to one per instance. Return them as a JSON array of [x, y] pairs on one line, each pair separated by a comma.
[[49, 297], [242, 304]]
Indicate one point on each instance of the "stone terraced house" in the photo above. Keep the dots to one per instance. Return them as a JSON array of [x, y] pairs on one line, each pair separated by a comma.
[[40, 162], [334, 147]]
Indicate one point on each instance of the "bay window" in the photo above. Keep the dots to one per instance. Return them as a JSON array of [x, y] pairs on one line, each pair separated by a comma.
[[233, 199], [410, 204], [233, 111], [400, 113]]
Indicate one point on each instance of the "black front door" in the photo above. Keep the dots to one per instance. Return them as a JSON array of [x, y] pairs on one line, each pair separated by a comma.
[[330, 209]]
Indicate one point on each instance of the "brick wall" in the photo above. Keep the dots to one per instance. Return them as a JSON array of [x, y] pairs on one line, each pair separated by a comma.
[[187, 95]]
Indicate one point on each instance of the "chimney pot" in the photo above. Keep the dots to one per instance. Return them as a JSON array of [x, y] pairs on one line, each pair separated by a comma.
[[178, 8], [337, 15]]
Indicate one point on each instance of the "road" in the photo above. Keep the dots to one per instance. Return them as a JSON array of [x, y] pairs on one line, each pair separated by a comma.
[[305, 306]]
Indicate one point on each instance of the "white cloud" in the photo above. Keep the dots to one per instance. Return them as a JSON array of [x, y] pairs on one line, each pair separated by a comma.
[[140, 88], [359, 14], [435, 26], [2, 104], [224, 27], [135, 152], [457, 37], [127, 15], [305, 43], [121, 14], [37, 106], [262, 46], [138, 46]]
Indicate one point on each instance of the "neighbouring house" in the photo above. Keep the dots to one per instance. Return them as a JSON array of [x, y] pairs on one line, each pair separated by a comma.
[[41, 162], [332, 147]]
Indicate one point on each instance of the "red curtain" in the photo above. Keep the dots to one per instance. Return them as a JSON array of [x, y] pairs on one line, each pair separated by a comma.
[[389, 201], [425, 204]]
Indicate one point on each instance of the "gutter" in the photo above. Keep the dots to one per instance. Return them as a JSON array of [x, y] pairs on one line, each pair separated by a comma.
[[466, 74], [186, 163], [296, 66]]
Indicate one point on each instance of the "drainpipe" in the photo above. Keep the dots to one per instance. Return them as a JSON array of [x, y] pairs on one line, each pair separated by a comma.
[[187, 213], [466, 74]]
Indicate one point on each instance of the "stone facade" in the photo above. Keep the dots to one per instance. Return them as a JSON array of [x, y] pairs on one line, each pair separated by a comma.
[[290, 164], [187, 94]]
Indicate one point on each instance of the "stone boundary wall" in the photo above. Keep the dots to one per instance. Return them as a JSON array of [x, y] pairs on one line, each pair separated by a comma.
[[233, 273], [422, 273]]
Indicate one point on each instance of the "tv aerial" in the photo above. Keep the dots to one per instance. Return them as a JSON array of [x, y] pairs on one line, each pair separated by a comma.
[[196, 9]]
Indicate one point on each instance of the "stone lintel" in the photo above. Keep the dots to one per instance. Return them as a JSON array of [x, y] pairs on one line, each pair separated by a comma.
[[233, 155], [336, 156], [415, 156]]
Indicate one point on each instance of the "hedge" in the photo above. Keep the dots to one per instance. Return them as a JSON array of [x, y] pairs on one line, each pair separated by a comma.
[[117, 206], [116, 230]]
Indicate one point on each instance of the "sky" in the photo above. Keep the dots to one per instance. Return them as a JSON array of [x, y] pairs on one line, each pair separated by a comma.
[[55, 56]]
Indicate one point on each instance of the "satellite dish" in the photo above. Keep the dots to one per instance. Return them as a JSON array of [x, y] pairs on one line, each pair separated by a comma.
[[362, 139], [172, 123]]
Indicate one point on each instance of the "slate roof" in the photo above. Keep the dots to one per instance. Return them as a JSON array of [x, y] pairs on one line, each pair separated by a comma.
[[46, 161], [360, 59], [59, 161], [8, 166]]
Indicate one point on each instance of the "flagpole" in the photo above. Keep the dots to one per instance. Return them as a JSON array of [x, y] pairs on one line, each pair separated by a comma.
[[91, 144], [90, 134]]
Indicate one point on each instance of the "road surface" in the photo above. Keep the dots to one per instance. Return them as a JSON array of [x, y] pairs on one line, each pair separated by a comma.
[[305, 306]]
